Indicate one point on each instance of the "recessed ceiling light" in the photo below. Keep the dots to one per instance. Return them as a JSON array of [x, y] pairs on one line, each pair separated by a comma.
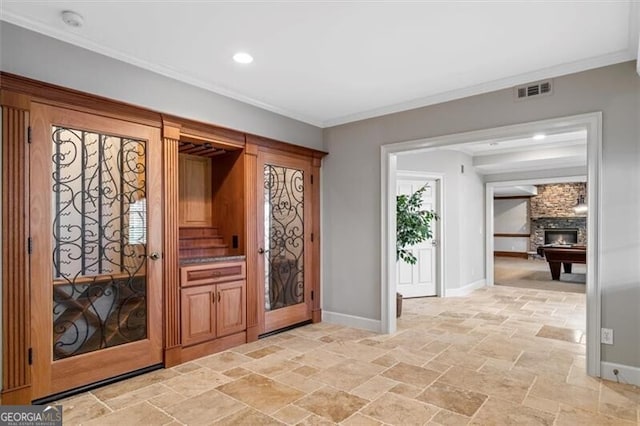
[[243, 58], [72, 19], [539, 136]]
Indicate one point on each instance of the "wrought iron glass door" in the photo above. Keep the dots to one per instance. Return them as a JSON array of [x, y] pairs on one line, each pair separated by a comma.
[[284, 228], [95, 223]]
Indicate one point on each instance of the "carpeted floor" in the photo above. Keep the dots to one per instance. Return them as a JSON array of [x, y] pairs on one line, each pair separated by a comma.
[[535, 274]]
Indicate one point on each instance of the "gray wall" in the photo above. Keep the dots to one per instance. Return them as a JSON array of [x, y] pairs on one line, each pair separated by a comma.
[[43, 58], [464, 210], [511, 217], [352, 228]]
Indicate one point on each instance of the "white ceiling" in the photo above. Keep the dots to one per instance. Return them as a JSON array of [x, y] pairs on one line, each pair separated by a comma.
[[553, 152], [515, 191], [328, 63]]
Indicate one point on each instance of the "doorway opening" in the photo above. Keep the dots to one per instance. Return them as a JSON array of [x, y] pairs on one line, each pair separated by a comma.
[[532, 222], [590, 123]]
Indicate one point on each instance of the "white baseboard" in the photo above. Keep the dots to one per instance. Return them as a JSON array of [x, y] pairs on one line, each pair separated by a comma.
[[467, 289], [626, 373], [352, 321]]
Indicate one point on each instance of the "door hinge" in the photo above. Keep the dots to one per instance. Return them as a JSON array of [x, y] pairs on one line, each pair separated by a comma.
[[30, 356], [29, 245], [311, 294], [29, 134], [311, 179], [312, 237]]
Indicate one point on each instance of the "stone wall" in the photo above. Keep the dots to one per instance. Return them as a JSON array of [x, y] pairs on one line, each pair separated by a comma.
[[557, 200], [553, 207], [538, 225]]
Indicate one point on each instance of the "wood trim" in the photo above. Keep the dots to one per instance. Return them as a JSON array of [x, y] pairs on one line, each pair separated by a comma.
[[212, 346], [172, 336], [284, 147], [514, 197], [518, 254], [172, 356], [17, 396], [503, 234], [75, 99], [16, 317], [251, 240], [316, 307], [170, 130], [205, 132], [14, 100]]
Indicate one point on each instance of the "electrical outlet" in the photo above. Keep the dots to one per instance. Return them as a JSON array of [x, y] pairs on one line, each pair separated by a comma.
[[606, 336]]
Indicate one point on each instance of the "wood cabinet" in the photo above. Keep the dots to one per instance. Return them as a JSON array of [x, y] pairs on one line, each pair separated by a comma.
[[195, 191], [198, 314], [231, 313], [213, 301]]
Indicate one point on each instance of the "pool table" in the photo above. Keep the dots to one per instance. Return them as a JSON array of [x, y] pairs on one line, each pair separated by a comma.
[[565, 256]]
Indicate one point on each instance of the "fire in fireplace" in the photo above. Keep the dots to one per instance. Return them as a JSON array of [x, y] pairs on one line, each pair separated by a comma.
[[560, 236]]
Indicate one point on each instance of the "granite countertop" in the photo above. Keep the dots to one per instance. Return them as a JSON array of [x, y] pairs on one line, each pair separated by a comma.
[[214, 259]]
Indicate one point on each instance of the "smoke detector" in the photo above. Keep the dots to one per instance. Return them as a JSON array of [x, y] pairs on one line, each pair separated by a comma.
[[72, 19]]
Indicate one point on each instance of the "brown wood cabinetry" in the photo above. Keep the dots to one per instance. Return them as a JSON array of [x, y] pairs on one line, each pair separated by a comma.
[[213, 301], [231, 315], [198, 314], [203, 198], [195, 191]]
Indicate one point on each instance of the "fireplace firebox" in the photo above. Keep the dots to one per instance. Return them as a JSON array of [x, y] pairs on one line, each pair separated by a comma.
[[561, 236]]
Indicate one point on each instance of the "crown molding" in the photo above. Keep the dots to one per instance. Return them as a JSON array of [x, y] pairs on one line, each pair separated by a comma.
[[77, 40], [632, 52], [504, 83]]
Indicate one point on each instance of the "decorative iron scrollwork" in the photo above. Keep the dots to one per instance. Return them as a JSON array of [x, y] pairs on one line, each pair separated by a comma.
[[284, 236], [99, 241]]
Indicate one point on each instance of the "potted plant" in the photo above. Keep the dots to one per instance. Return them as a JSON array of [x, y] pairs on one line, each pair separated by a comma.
[[413, 225]]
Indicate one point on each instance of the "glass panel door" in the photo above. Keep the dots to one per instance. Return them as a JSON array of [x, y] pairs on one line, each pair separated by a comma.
[[96, 227], [284, 194], [99, 241], [284, 236]]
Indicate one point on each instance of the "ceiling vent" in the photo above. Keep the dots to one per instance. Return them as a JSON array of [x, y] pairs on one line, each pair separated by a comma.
[[540, 88]]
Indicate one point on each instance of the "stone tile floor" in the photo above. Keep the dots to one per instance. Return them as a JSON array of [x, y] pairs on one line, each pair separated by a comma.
[[500, 356]]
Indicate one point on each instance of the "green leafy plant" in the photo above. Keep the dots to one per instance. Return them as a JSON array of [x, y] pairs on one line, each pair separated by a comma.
[[413, 224]]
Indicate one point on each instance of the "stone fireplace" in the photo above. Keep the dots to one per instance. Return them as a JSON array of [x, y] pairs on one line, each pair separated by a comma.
[[548, 230], [560, 236], [553, 220]]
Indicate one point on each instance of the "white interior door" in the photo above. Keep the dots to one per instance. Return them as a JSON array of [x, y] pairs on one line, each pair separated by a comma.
[[420, 280]]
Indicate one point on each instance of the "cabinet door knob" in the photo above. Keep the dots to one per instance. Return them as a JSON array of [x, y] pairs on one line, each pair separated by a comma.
[[218, 297], [261, 250]]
